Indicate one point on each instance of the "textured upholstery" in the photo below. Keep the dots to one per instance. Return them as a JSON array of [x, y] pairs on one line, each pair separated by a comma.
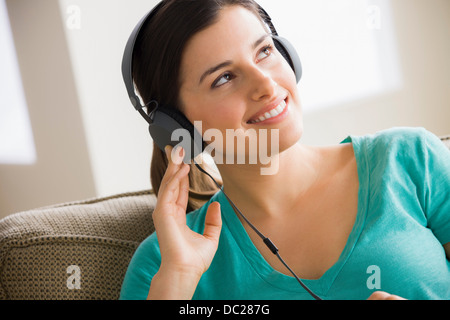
[[77, 250], [73, 251]]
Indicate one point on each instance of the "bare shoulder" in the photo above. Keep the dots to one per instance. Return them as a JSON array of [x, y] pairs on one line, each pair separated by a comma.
[[338, 160]]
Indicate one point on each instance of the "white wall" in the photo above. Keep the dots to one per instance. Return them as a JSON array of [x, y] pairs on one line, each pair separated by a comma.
[[118, 140], [61, 169], [14, 118], [110, 149], [422, 33]]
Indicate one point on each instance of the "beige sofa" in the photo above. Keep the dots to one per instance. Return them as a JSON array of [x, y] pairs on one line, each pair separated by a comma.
[[77, 250]]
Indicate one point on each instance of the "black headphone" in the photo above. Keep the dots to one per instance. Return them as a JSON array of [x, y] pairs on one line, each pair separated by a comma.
[[163, 121]]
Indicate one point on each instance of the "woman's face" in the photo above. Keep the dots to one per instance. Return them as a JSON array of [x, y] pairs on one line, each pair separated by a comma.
[[232, 77]]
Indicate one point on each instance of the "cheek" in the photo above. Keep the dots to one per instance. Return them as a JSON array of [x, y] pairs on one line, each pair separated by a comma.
[[222, 115], [288, 80]]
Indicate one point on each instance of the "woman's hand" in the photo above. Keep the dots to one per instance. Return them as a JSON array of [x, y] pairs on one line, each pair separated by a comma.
[[185, 254], [380, 295]]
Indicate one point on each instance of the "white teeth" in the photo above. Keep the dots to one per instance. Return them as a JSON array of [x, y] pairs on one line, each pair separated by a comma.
[[272, 113]]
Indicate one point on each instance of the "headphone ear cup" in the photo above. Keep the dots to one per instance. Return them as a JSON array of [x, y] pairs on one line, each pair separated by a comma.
[[169, 126], [288, 51]]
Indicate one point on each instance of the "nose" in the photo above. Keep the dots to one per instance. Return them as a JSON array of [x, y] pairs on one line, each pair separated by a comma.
[[262, 85]]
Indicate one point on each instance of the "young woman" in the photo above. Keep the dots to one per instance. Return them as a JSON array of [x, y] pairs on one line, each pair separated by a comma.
[[356, 220]]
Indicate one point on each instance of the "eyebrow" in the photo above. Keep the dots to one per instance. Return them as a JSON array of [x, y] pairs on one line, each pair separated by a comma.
[[229, 62]]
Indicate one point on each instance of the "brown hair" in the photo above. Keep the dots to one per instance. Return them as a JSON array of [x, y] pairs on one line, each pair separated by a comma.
[[156, 71]]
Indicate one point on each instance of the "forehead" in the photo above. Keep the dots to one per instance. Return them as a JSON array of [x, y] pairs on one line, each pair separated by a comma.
[[235, 29]]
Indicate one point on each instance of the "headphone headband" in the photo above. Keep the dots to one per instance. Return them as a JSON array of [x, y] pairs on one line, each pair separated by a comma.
[[127, 63], [164, 122]]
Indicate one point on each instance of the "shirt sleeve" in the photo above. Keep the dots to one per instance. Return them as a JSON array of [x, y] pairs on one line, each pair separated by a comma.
[[143, 266], [436, 160]]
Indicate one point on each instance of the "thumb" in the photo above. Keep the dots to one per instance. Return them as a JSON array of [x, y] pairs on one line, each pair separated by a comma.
[[213, 222]]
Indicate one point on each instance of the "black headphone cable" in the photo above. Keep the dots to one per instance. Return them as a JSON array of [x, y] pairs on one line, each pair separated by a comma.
[[266, 240]]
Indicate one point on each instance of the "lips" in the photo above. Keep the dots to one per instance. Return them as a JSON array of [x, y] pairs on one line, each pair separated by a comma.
[[269, 113]]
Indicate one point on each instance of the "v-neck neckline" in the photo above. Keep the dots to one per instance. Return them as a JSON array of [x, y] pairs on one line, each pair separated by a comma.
[[287, 282]]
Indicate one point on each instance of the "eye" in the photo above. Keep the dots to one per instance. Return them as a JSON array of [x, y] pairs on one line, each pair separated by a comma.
[[265, 52], [223, 79]]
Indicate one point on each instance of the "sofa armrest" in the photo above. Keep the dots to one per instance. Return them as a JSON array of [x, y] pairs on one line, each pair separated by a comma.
[[77, 250]]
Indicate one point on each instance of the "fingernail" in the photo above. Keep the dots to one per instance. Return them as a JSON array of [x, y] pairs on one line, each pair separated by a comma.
[[181, 153], [177, 155]]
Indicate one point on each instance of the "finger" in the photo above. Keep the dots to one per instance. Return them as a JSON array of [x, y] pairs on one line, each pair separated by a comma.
[[394, 297], [170, 188], [213, 222], [171, 170], [183, 196], [174, 155], [381, 295], [378, 295], [177, 155], [168, 149]]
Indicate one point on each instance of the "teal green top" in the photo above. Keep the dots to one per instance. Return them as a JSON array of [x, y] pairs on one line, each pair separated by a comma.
[[396, 244]]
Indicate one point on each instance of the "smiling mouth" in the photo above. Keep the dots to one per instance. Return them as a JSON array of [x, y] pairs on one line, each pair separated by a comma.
[[271, 114]]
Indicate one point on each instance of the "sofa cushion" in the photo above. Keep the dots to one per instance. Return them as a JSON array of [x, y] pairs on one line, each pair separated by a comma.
[[77, 250]]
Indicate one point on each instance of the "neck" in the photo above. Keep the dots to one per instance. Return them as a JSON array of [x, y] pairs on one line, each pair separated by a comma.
[[268, 195]]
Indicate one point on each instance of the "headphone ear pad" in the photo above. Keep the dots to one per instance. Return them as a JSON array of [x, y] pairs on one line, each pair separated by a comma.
[[169, 126], [288, 51]]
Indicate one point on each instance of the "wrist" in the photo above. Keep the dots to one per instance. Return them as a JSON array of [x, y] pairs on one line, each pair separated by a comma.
[[181, 270], [174, 284]]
